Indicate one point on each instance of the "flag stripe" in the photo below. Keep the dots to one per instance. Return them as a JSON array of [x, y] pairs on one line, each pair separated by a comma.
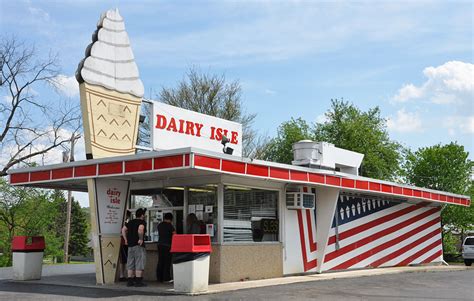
[[404, 249], [313, 263], [433, 257], [375, 222], [411, 258], [312, 243], [347, 264], [330, 256], [381, 227]]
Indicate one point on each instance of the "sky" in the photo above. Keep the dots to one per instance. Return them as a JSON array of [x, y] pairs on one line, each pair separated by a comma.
[[413, 59]]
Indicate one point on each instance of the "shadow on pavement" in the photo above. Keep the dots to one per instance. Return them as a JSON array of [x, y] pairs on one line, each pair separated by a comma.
[[81, 285]]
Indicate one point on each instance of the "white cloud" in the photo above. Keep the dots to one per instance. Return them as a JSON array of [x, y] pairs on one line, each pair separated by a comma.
[[322, 118], [66, 85], [459, 123], [270, 92], [405, 122], [450, 83]]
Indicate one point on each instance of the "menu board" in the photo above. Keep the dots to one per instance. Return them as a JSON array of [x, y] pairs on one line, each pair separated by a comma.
[[112, 198]]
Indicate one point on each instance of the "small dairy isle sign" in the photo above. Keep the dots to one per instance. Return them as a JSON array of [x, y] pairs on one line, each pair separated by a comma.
[[111, 201], [174, 127]]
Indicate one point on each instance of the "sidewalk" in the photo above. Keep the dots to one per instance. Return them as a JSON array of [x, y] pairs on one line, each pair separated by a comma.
[[87, 280], [55, 269]]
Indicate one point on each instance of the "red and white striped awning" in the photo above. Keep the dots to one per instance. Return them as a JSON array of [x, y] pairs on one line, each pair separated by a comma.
[[189, 162]]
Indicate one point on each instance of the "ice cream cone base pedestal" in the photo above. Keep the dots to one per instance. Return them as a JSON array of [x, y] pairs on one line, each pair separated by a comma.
[[191, 276], [27, 266], [107, 213], [110, 121]]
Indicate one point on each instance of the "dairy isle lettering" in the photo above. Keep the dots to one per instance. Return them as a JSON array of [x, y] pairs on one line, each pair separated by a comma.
[[191, 128]]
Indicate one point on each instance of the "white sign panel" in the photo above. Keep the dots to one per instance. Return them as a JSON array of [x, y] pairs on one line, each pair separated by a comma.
[[174, 127], [111, 201]]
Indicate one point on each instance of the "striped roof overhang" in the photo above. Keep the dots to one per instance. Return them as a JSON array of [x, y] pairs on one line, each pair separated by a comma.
[[189, 162]]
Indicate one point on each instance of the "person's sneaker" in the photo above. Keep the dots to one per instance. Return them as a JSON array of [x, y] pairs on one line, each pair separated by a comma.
[[139, 282], [170, 281], [130, 282]]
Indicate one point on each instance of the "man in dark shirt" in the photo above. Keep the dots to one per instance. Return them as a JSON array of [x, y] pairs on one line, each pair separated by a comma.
[[134, 235], [165, 233]]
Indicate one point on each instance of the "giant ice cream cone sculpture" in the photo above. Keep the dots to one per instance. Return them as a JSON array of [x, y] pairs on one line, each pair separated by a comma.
[[111, 90], [111, 94]]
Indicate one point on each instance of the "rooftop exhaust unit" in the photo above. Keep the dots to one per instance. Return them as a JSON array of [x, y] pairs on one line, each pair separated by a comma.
[[324, 155]]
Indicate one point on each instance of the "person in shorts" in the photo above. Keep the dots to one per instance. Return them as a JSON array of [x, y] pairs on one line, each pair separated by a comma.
[[134, 235]]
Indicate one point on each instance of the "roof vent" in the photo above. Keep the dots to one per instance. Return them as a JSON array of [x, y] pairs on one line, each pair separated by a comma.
[[325, 155]]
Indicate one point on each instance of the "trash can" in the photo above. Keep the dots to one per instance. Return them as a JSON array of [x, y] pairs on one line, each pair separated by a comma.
[[191, 262], [27, 257]]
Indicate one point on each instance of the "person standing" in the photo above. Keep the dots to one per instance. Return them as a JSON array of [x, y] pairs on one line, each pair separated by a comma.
[[134, 235], [192, 224], [165, 234], [123, 252]]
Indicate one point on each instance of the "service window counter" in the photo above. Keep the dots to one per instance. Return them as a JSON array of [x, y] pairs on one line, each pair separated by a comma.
[[249, 226]]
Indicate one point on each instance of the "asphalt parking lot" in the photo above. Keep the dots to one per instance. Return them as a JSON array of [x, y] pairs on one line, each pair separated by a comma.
[[440, 285]]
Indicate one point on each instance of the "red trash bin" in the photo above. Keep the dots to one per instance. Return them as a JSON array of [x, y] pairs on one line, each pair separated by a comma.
[[191, 262], [27, 257]]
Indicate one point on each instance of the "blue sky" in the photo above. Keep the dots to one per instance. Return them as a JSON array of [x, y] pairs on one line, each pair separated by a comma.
[[413, 59]]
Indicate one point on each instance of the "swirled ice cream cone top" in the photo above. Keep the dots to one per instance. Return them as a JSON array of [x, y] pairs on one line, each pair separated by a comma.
[[109, 60]]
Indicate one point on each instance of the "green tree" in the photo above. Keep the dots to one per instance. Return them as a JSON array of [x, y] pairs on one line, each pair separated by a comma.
[[214, 95], [79, 227], [350, 128], [79, 231], [23, 211], [280, 148], [447, 168]]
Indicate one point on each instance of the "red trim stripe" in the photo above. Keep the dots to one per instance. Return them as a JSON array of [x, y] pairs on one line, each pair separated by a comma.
[[19, 177], [315, 178], [110, 168], [312, 243], [387, 188], [257, 170], [413, 257], [375, 222], [279, 173], [169, 162], [40, 176], [62, 173], [374, 186], [334, 254], [359, 257], [404, 249], [313, 263], [349, 183], [397, 190], [299, 176], [330, 180], [138, 165], [232, 166], [85, 171], [362, 185]]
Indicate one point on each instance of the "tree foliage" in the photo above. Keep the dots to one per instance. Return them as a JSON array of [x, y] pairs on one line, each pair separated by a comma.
[[280, 148], [29, 211], [447, 168], [350, 128], [346, 127], [214, 95]]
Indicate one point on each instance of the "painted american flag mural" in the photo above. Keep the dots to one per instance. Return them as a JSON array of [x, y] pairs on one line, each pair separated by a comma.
[[372, 232]]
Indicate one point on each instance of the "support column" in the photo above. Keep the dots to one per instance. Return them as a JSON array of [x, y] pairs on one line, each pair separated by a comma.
[[107, 200]]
